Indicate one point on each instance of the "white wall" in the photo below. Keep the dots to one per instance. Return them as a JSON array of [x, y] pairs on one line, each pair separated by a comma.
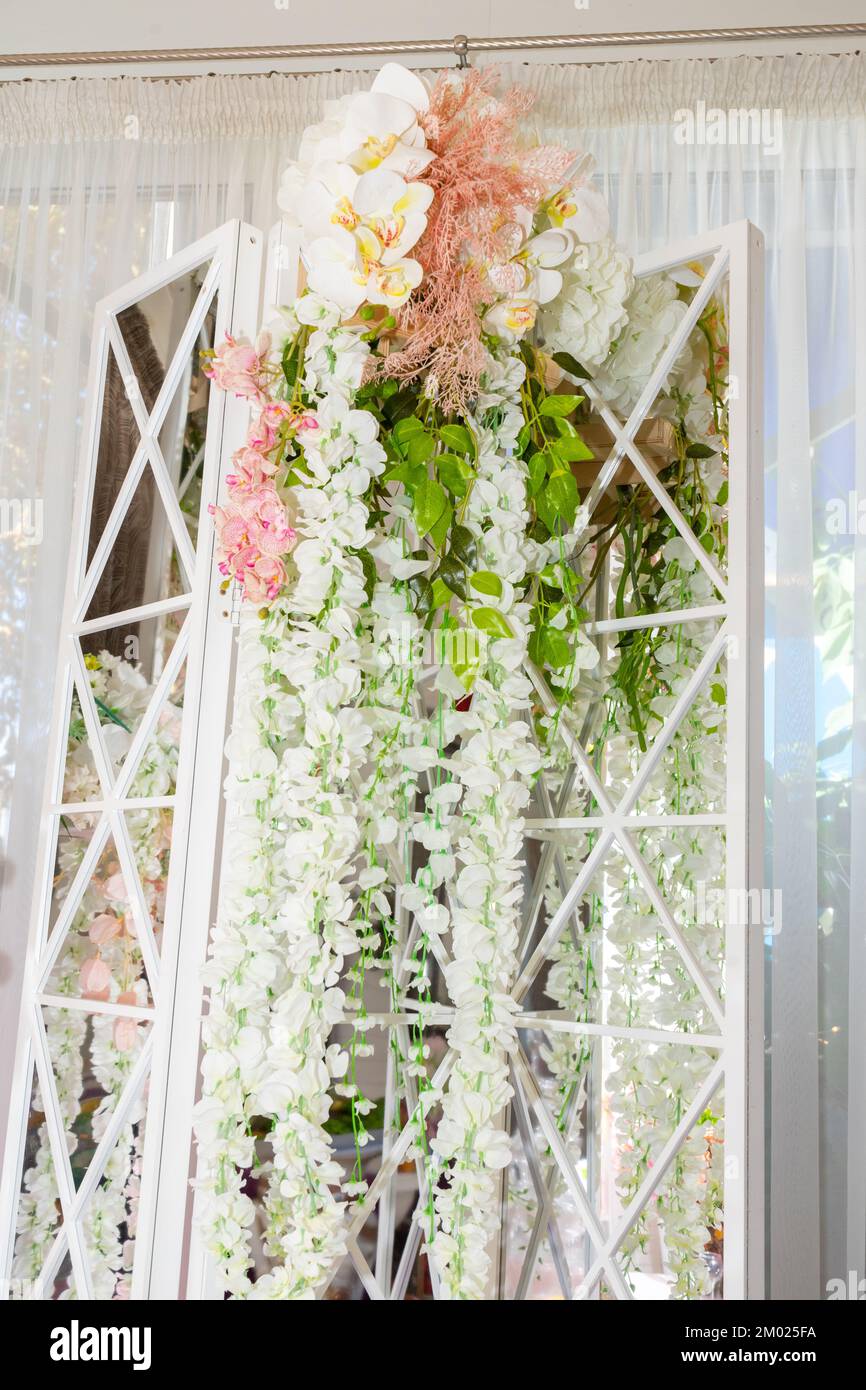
[[106, 25]]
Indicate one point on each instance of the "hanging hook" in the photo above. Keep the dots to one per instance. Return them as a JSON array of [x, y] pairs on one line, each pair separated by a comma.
[[461, 48]]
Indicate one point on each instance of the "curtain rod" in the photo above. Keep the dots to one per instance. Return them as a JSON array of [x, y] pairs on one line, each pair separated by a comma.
[[460, 45]]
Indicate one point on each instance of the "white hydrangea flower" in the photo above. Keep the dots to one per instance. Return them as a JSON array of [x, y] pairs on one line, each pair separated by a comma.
[[655, 311], [589, 314]]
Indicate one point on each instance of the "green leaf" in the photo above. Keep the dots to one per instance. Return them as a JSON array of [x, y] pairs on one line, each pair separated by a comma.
[[441, 593], [423, 591], [562, 495], [410, 474], [718, 694], [537, 467], [455, 473], [458, 438], [439, 529], [571, 449], [559, 404], [571, 365], [429, 503], [368, 564], [555, 647], [401, 404], [404, 429], [420, 447], [699, 451], [487, 583], [464, 546], [491, 621], [292, 359], [722, 495], [453, 574], [547, 514], [461, 649]]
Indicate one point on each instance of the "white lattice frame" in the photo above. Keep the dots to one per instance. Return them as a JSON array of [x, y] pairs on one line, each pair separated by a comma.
[[234, 253], [737, 251], [163, 1225]]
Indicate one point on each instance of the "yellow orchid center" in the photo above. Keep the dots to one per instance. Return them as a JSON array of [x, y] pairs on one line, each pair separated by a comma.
[[561, 206], [369, 246], [344, 215], [373, 151], [387, 229], [393, 282], [520, 317]]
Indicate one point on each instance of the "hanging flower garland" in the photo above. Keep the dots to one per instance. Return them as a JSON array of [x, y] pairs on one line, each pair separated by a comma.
[[407, 483]]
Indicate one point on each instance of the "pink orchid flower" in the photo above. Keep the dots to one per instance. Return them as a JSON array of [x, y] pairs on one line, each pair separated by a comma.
[[125, 1034], [114, 887], [263, 434], [264, 579], [94, 978], [239, 366], [104, 928]]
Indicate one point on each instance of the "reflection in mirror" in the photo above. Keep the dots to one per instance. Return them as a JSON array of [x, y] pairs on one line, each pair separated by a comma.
[[101, 957], [39, 1215], [143, 565], [182, 436], [92, 1059], [124, 664]]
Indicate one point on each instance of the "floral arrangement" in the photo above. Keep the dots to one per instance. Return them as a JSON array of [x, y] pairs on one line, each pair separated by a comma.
[[406, 526]]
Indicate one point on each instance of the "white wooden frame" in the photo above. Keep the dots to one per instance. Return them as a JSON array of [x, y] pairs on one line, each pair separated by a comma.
[[170, 1261], [735, 251], [234, 255]]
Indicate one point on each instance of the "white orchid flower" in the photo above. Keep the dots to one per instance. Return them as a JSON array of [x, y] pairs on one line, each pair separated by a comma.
[[380, 127], [391, 285], [324, 201], [383, 215], [379, 202], [511, 318], [393, 210], [580, 210], [334, 271], [541, 255], [531, 272], [396, 81]]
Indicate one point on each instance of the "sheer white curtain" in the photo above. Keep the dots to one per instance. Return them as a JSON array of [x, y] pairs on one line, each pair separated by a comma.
[[101, 178]]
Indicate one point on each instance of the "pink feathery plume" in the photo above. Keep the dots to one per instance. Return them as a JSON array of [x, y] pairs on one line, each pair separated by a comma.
[[482, 178]]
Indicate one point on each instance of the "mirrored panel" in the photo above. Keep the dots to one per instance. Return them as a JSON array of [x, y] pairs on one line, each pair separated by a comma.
[[147, 495]]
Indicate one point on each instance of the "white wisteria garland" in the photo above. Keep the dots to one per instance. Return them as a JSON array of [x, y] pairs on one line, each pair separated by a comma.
[[410, 456]]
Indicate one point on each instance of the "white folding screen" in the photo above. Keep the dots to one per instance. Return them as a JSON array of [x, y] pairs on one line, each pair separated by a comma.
[[586, 825], [132, 801]]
